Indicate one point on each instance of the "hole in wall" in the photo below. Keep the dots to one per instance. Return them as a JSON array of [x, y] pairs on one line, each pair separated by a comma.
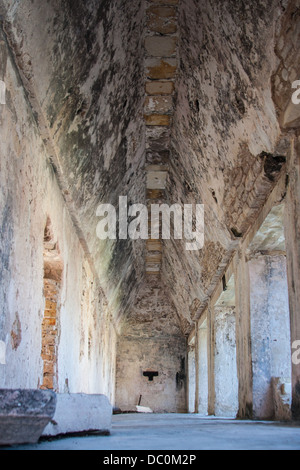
[[150, 374], [236, 233]]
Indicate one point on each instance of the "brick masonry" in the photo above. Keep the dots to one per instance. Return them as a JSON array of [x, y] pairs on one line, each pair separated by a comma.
[[49, 334]]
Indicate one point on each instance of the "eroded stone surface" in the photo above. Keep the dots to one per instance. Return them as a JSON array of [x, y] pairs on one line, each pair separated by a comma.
[[162, 19], [159, 88], [24, 414], [77, 413], [159, 104], [221, 156], [159, 69], [152, 340], [90, 109]]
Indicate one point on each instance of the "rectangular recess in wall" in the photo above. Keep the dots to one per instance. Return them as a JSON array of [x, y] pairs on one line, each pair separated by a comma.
[[150, 374]]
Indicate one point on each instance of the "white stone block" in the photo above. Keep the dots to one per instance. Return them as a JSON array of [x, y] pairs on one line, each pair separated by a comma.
[[143, 409], [77, 413]]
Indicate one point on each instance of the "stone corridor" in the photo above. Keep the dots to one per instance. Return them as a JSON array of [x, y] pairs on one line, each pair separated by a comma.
[[122, 123]]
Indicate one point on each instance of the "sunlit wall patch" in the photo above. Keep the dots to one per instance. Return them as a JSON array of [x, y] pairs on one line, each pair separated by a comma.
[[2, 92]]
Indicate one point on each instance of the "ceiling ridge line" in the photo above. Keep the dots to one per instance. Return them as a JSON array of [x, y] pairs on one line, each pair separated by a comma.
[[161, 41]]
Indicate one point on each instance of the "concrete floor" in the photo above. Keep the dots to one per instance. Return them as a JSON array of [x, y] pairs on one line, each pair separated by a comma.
[[182, 432]]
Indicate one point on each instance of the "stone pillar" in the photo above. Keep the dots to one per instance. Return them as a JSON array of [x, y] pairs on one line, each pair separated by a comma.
[[243, 336], [270, 331], [202, 407], [192, 378], [197, 371], [210, 360], [292, 235], [225, 367]]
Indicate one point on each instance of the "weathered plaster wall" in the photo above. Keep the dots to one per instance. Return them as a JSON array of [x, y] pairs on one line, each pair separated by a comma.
[[151, 339], [270, 330], [225, 365], [288, 70], [224, 136], [82, 63], [29, 195], [292, 231]]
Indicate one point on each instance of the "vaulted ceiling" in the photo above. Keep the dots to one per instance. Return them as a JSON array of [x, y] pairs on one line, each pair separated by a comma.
[[216, 134]]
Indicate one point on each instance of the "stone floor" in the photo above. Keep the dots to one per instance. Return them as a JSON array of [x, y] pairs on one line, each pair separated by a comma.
[[182, 432]]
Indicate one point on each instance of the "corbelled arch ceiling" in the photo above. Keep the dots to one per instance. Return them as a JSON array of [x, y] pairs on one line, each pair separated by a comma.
[[217, 133], [82, 66], [231, 131]]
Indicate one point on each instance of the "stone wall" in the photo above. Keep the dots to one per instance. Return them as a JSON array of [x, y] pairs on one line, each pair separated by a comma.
[[84, 348], [49, 334], [224, 140], [270, 330], [151, 340], [82, 66]]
